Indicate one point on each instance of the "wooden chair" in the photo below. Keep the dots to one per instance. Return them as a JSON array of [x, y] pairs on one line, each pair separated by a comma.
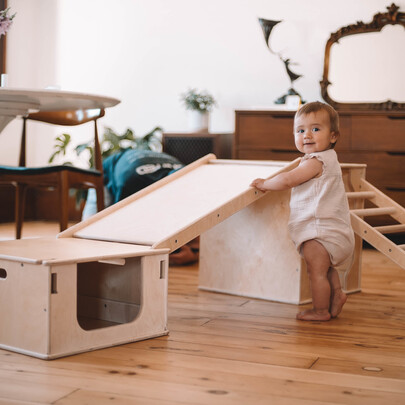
[[61, 177]]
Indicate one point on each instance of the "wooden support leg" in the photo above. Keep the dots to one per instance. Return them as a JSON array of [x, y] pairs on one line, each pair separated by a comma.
[[100, 198], [64, 201], [19, 208]]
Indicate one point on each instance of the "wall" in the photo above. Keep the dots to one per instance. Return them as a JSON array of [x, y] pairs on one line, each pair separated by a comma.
[[147, 52], [31, 63]]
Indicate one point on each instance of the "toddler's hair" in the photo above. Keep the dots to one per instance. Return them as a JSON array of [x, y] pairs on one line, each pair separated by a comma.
[[316, 106]]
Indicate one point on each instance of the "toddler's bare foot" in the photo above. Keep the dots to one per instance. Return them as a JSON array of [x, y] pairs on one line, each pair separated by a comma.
[[339, 299], [313, 315]]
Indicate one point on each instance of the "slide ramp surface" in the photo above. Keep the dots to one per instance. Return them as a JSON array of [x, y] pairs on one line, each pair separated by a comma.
[[180, 207]]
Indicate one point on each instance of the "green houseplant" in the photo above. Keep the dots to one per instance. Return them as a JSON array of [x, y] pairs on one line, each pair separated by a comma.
[[110, 143]]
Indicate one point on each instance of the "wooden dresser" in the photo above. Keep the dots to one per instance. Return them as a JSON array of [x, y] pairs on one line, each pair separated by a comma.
[[375, 138]]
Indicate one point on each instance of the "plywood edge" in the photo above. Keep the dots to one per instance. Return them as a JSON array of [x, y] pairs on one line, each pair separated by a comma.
[[51, 251], [202, 224], [52, 356], [280, 163], [25, 352], [147, 190], [103, 346], [271, 163], [107, 257], [254, 296], [145, 243], [25, 247], [22, 259], [352, 165]]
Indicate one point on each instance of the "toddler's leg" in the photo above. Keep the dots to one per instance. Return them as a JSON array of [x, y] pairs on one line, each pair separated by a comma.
[[318, 263], [338, 297]]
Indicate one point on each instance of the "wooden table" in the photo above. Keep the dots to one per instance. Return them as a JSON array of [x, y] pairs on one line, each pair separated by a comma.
[[15, 102]]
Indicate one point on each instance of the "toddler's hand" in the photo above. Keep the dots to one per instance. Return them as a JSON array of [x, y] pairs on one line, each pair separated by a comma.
[[258, 183]]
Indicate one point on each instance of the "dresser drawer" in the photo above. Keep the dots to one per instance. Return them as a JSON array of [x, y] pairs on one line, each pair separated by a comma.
[[266, 155], [383, 169], [265, 131], [379, 133], [275, 132]]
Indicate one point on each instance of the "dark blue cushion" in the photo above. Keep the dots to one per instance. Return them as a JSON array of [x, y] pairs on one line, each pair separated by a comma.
[[131, 170]]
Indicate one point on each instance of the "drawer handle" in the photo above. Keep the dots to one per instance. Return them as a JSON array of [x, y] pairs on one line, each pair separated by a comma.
[[395, 188], [284, 151], [395, 153], [396, 117], [287, 116]]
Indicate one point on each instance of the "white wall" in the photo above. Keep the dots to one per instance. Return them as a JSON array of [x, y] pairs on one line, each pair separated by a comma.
[[147, 52], [31, 63]]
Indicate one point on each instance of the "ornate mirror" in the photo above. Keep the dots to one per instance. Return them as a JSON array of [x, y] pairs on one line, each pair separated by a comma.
[[365, 64]]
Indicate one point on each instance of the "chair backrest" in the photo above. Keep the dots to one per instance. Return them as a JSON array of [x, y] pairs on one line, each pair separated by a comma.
[[69, 118], [65, 118]]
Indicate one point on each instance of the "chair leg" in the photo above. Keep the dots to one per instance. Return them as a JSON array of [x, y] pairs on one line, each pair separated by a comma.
[[64, 201], [100, 198], [20, 192]]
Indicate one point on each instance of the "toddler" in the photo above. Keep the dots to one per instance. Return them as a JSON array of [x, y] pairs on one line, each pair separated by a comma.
[[319, 221]]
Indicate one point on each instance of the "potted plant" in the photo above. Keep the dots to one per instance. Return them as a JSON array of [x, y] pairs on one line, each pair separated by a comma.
[[199, 104], [110, 143]]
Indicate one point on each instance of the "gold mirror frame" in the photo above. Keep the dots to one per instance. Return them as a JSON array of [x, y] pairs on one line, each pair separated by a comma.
[[380, 20]]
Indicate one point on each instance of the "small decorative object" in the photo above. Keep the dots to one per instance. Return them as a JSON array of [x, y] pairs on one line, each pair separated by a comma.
[[293, 102], [199, 105], [5, 21], [267, 27], [4, 80]]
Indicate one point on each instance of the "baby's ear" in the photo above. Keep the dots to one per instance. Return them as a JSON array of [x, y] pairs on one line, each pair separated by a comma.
[[334, 137]]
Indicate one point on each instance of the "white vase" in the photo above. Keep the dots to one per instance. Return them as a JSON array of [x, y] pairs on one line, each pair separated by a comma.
[[198, 121]]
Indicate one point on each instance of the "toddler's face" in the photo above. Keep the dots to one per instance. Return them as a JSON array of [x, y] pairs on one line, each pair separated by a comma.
[[312, 132]]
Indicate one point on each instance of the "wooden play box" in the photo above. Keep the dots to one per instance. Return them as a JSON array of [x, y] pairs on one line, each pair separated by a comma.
[[251, 254], [63, 296], [103, 281]]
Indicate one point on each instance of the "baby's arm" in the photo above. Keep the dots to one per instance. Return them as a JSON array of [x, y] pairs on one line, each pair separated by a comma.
[[305, 171]]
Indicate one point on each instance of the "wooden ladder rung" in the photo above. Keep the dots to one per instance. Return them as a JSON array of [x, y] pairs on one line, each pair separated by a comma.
[[360, 194], [368, 212], [390, 228]]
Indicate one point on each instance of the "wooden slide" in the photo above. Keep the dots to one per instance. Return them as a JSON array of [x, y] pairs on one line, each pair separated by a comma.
[[181, 206]]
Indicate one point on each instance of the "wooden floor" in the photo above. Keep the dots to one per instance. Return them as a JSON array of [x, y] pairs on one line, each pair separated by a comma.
[[230, 350]]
